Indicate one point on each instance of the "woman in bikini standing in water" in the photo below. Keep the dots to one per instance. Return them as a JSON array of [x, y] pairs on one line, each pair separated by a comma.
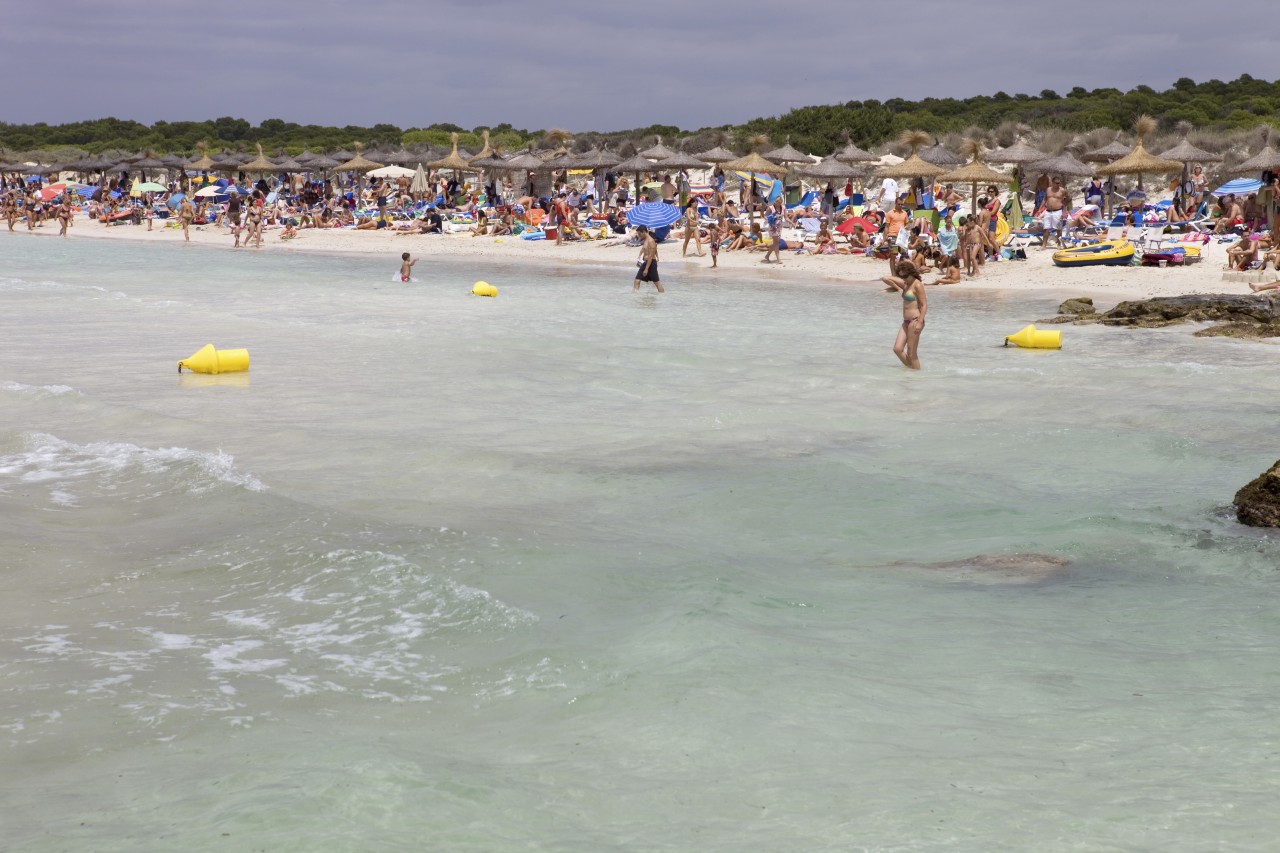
[[914, 307]]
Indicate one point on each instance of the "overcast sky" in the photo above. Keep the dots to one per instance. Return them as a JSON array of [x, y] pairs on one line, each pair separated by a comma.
[[591, 64]]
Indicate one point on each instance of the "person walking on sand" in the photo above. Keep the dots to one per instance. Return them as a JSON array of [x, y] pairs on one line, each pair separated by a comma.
[[186, 213], [648, 263], [691, 229], [406, 266], [10, 207], [914, 306]]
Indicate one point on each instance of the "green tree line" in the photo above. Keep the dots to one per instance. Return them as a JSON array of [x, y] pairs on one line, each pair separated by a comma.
[[1239, 104]]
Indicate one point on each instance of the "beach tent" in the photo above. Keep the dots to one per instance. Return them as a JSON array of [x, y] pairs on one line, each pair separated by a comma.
[[1239, 186]]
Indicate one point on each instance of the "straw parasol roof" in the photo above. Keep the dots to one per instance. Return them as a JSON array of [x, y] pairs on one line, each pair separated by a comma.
[[260, 164], [976, 172], [940, 155], [717, 155], [485, 153], [562, 159], [912, 167], [1019, 152], [452, 161], [681, 160], [1107, 153], [495, 161], [830, 168], [1267, 158], [524, 163], [657, 152], [787, 154], [853, 154], [638, 163], [1140, 162], [289, 164], [341, 155], [753, 162], [357, 163], [204, 164], [598, 158], [1064, 164], [321, 163], [1185, 152], [305, 157]]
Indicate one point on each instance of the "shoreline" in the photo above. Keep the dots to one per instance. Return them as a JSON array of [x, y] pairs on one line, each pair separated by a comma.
[[1035, 277]]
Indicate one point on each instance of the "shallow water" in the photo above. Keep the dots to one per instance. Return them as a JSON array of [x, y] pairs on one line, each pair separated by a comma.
[[575, 569]]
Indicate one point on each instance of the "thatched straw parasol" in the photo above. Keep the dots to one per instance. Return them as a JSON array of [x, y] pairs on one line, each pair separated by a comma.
[[940, 155], [657, 152], [357, 163], [305, 157], [1185, 152], [342, 155], [598, 158], [1111, 151], [1017, 153], [787, 154], [853, 154], [1140, 162], [525, 162], [260, 165], [635, 165], [322, 163], [560, 160], [1064, 164], [830, 169], [289, 164], [753, 163], [452, 161], [912, 167], [485, 153], [975, 172], [681, 160], [1266, 159], [717, 155]]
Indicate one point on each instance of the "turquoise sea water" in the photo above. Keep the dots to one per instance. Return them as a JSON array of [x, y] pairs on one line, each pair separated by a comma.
[[575, 569]]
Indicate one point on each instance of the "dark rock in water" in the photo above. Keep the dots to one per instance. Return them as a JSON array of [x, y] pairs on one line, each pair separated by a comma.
[[1254, 315], [1077, 305], [1000, 569], [1253, 309], [1078, 309], [1258, 503]]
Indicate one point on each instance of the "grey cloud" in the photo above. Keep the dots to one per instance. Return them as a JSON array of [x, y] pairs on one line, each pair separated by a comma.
[[588, 65]]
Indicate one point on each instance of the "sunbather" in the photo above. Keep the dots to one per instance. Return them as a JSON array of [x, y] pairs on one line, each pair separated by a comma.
[[1242, 253]]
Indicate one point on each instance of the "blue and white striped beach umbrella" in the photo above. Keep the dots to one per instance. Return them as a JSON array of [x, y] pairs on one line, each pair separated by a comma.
[[654, 214]]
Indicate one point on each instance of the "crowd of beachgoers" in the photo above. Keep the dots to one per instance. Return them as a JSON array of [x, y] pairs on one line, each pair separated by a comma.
[[939, 226]]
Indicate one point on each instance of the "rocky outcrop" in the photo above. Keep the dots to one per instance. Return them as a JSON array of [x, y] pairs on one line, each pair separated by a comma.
[[1236, 315], [1258, 503]]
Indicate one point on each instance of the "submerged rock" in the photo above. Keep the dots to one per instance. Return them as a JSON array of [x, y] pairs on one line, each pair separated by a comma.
[[1077, 305], [1258, 503], [999, 569]]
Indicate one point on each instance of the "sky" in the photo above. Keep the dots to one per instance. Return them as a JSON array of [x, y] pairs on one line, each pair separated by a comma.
[[591, 64]]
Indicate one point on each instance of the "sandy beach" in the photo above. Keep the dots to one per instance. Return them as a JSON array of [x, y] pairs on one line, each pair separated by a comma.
[[1036, 275]]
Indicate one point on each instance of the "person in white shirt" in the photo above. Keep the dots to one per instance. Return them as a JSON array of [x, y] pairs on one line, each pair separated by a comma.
[[888, 193]]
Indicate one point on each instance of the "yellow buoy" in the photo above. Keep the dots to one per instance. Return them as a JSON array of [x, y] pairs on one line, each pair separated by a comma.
[[210, 360], [484, 288], [1033, 338]]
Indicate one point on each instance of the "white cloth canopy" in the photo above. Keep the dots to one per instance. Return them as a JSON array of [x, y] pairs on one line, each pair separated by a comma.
[[391, 172]]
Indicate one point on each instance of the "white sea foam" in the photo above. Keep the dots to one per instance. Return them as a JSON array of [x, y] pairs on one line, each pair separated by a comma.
[[38, 390], [107, 466]]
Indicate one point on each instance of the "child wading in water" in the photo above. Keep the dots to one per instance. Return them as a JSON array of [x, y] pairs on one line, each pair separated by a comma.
[[406, 266]]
